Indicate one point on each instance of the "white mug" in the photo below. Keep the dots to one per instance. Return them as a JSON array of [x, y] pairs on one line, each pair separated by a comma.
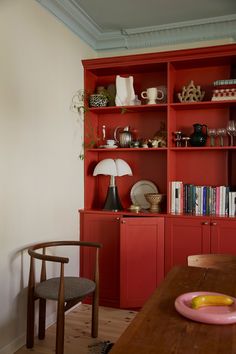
[[152, 94], [110, 142]]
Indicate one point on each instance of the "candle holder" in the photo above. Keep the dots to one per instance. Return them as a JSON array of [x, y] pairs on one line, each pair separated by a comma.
[[185, 140], [177, 138]]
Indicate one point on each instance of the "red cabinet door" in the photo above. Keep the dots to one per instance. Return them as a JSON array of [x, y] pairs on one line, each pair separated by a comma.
[[223, 236], [185, 236], [106, 230], [141, 259]]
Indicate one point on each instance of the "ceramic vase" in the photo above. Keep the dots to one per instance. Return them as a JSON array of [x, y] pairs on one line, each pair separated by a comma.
[[125, 94]]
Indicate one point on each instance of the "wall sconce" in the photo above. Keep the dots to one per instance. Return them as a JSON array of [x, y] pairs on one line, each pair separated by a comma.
[[112, 168]]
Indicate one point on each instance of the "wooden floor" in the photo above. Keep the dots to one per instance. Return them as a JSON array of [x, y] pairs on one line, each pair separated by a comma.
[[112, 323]]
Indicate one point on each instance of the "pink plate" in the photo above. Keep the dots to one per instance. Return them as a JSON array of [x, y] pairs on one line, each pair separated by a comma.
[[206, 314]]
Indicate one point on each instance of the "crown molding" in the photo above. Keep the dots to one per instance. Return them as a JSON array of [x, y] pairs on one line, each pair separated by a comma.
[[73, 16]]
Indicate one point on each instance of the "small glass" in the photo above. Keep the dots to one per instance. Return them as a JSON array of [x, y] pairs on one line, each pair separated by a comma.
[[212, 134], [231, 130], [221, 132]]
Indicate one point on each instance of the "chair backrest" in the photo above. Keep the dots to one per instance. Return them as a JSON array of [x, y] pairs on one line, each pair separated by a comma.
[[45, 257], [216, 261]]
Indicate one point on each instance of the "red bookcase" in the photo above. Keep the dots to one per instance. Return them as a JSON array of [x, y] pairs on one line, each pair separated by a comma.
[[196, 165]]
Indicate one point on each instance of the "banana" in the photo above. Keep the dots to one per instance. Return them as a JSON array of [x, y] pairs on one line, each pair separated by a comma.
[[211, 300]]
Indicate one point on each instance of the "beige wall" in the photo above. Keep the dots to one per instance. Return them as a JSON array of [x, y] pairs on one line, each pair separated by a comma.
[[41, 176]]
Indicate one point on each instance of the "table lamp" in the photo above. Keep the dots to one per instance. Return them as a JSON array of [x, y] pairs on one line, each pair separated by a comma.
[[112, 168]]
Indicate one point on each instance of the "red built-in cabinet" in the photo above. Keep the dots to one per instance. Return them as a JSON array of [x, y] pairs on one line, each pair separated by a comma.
[[133, 255]]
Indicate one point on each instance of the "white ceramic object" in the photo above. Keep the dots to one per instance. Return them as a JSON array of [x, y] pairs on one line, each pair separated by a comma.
[[138, 191], [152, 94], [125, 95]]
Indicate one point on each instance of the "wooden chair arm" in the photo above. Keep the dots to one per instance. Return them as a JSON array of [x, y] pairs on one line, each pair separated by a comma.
[[51, 258]]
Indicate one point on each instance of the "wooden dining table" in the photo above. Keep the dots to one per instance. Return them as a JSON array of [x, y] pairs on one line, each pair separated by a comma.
[[159, 329]]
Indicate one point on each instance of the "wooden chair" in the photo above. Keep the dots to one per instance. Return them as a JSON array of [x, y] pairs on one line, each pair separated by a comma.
[[67, 291], [216, 261]]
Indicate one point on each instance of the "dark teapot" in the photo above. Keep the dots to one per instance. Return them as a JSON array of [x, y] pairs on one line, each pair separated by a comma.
[[199, 136]]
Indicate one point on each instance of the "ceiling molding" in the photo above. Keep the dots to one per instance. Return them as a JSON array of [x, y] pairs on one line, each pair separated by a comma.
[[82, 25]]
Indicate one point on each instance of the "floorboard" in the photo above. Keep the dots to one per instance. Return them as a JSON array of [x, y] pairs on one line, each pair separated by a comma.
[[112, 323]]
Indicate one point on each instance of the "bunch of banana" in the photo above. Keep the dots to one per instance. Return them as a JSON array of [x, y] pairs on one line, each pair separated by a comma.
[[211, 300]]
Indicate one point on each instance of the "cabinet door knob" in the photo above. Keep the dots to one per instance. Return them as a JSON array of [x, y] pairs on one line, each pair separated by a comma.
[[118, 219], [123, 221], [213, 223], [205, 223]]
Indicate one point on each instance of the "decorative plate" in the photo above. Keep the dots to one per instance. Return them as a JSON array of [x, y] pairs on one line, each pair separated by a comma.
[[139, 189], [206, 314]]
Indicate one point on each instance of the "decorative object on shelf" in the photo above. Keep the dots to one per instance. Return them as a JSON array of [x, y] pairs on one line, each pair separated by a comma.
[[152, 94], [110, 142], [111, 90], [231, 130], [134, 208], [224, 90], [198, 137], [177, 138], [125, 95], [161, 136], [186, 140], [113, 168], [98, 100], [191, 93], [137, 102], [155, 200], [138, 191], [211, 132], [221, 132], [163, 88], [224, 94], [135, 144], [123, 136]]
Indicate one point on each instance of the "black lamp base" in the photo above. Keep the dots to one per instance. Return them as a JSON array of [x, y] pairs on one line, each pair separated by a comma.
[[112, 200]]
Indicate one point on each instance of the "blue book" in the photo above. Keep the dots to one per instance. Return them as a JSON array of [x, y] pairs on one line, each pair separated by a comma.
[[204, 203]]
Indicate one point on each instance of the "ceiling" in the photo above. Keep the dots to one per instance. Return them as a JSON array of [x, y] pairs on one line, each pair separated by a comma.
[[110, 24]]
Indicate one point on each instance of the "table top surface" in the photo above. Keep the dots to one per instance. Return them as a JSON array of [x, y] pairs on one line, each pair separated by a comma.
[[159, 328]]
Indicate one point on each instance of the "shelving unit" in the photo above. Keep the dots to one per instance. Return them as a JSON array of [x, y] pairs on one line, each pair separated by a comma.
[[197, 165]]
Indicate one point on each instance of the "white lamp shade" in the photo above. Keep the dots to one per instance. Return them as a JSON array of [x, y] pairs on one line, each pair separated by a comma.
[[110, 167]]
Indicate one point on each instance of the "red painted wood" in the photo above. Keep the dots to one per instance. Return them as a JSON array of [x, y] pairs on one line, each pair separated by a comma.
[[103, 229], [223, 236], [141, 259], [185, 236]]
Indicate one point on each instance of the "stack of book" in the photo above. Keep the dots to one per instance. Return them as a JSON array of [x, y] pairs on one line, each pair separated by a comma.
[[202, 200]]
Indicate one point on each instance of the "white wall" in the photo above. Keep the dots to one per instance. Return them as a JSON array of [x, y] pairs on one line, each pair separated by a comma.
[[41, 176]]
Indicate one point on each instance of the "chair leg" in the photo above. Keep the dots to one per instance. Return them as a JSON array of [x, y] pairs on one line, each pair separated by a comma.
[[42, 318], [94, 330], [30, 320], [60, 329]]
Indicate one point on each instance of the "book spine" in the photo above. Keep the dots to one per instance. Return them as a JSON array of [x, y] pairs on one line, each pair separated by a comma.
[[204, 202], [217, 200], [172, 201]]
